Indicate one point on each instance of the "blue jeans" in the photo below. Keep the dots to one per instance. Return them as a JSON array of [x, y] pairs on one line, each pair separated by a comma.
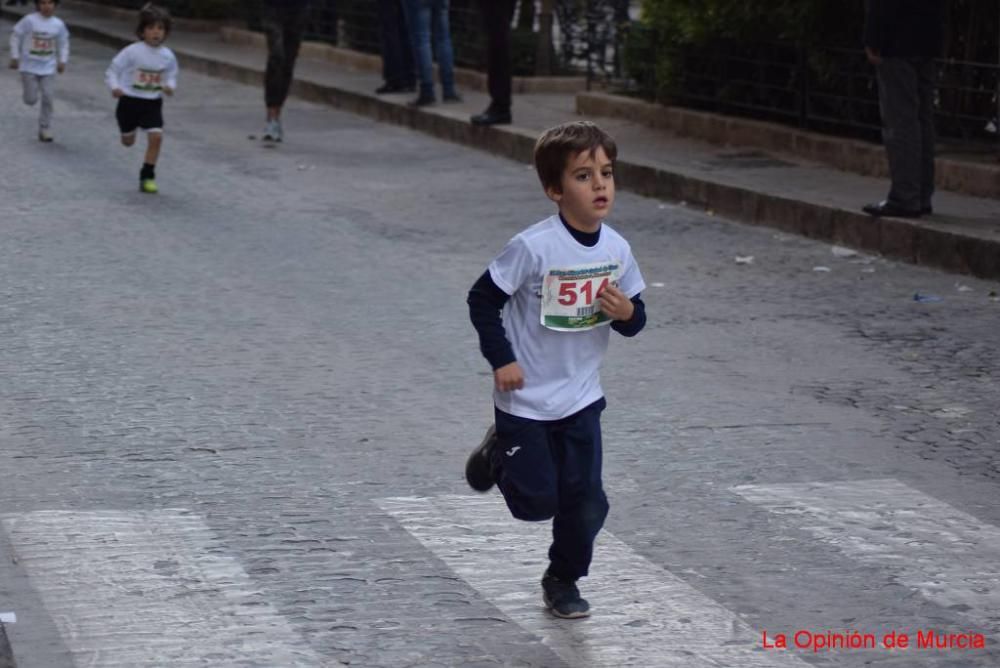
[[426, 17], [552, 470]]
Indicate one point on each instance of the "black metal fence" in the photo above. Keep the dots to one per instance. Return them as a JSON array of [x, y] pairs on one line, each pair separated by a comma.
[[826, 88], [583, 35], [829, 88]]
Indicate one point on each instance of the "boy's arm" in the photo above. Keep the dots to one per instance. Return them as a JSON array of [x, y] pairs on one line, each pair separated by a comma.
[[633, 325], [16, 35], [63, 47], [486, 300], [171, 79], [111, 76]]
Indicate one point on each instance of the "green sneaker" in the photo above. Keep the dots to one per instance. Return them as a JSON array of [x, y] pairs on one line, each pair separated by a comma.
[[148, 186]]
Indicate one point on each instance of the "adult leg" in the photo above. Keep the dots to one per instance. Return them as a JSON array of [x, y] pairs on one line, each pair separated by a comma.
[[294, 26], [397, 54], [408, 67], [284, 27], [583, 505], [524, 469], [274, 72], [497, 15], [442, 47], [418, 15], [899, 99], [926, 78]]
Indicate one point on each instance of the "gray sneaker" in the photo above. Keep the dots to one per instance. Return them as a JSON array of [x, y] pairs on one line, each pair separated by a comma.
[[563, 599], [272, 132]]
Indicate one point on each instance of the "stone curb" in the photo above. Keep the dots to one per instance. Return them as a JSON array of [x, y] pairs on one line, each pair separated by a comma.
[[849, 155], [906, 240]]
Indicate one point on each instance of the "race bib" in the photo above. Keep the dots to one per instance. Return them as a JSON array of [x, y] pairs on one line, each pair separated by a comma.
[[150, 81], [42, 45], [569, 296]]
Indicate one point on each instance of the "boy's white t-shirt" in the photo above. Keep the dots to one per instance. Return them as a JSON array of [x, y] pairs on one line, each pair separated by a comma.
[[39, 44], [546, 271], [140, 70]]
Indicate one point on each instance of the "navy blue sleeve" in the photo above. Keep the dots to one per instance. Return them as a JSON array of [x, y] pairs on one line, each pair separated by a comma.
[[486, 300], [636, 323]]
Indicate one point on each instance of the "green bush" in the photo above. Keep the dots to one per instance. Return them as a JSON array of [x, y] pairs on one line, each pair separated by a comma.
[[658, 50]]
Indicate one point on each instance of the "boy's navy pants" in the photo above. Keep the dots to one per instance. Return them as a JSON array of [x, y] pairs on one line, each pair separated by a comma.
[[552, 470]]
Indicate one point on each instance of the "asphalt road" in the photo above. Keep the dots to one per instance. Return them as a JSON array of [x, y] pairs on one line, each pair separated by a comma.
[[234, 416]]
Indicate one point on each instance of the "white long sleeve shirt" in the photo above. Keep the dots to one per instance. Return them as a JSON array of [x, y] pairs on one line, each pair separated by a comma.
[[143, 71], [39, 44]]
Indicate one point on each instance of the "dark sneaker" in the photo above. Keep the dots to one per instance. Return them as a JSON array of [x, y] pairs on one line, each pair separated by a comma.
[[478, 469], [562, 598], [891, 209], [492, 117]]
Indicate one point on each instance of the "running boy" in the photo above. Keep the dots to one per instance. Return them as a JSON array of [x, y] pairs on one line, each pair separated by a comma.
[[39, 47], [561, 281], [139, 76]]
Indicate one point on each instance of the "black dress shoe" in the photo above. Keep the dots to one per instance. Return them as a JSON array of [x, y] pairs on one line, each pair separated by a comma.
[[890, 209], [492, 117], [385, 89]]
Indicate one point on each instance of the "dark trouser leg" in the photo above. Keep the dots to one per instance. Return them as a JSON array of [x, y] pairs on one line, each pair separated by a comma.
[[497, 15], [899, 100], [397, 53], [283, 27], [583, 506], [926, 76], [418, 15], [524, 468]]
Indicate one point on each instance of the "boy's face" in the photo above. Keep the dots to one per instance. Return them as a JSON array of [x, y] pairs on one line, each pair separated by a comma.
[[587, 190], [154, 34], [46, 7]]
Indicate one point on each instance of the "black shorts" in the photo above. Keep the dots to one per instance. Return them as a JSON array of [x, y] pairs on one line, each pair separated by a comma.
[[137, 112]]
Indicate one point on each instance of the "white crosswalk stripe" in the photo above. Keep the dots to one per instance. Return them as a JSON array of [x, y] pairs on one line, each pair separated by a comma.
[[952, 558], [643, 615], [149, 589]]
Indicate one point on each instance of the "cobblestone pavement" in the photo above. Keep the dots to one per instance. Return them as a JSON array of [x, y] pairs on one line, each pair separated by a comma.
[[223, 384]]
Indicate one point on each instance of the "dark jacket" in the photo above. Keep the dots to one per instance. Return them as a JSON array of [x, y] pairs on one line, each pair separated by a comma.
[[905, 28]]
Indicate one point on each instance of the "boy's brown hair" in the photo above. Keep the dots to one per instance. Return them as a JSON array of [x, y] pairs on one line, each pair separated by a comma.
[[150, 15], [557, 145]]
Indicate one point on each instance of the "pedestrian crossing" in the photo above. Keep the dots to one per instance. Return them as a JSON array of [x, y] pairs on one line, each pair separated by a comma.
[[643, 615], [149, 589], [153, 588], [949, 556]]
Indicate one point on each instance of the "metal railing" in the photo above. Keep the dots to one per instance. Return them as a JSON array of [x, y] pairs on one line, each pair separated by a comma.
[[826, 88]]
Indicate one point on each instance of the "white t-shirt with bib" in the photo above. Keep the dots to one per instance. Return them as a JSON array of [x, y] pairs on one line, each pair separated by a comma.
[[39, 44], [553, 319], [140, 70]]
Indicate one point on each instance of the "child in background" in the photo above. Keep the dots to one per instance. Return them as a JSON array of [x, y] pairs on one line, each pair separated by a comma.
[[39, 47], [138, 77]]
